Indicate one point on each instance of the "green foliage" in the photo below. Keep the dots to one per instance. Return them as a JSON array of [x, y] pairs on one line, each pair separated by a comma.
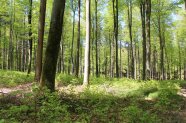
[[40, 106], [168, 98], [13, 78], [15, 113], [64, 79], [116, 100], [133, 114], [50, 108]]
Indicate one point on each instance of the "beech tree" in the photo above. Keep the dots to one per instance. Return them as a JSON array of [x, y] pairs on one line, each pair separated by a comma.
[[41, 28], [30, 36], [87, 45], [78, 39], [53, 45]]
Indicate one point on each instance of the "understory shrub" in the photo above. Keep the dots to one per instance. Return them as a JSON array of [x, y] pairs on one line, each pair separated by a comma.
[[65, 79], [133, 114], [14, 78]]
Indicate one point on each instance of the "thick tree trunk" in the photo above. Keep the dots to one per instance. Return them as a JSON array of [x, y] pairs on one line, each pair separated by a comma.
[[53, 45], [87, 46], [30, 36], [41, 29]]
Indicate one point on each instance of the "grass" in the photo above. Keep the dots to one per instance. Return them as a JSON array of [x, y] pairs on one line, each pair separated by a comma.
[[105, 100], [14, 78]]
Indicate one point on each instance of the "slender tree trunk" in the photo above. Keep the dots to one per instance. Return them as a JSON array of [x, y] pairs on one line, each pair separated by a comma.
[[53, 45], [116, 39], [120, 60], [161, 49], [87, 46], [128, 60], [185, 65], [96, 38], [78, 39], [92, 49], [112, 56], [133, 72], [72, 45], [30, 36], [11, 46], [139, 62], [62, 55], [110, 43], [142, 9], [185, 56], [155, 63], [1, 53], [180, 59], [41, 29], [148, 43]]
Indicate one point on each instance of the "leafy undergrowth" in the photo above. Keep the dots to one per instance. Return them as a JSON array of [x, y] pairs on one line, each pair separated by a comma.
[[105, 100], [14, 78]]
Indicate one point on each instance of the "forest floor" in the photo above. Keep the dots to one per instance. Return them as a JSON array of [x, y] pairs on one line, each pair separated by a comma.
[[105, 100], [23, 87]]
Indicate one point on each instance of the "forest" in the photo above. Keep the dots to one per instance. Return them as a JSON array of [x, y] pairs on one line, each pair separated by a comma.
[[92, 61]]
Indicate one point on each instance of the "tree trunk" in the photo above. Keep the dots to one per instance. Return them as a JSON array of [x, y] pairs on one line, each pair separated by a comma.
[[53, 45], [120, 59], [148, 43], [180, 59], [142, 9], [11, 46], [110, 44], [78, 39], [87, 46], [133, 72], [41, 29], [96, 38], [30, 36], [72, 45], [116, 39]]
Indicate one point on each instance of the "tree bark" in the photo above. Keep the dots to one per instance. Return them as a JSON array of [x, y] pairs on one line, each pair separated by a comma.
[[148, 42], [87, 46], [30, 36], [41, 29], [72, 44], [133, 72], [142, 9], [53, 45], [96, 38], [78, 39]]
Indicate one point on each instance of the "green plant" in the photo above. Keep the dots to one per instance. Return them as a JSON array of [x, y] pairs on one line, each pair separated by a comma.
[[49, 107], [133, 114], [14, 78], [64, 79]]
